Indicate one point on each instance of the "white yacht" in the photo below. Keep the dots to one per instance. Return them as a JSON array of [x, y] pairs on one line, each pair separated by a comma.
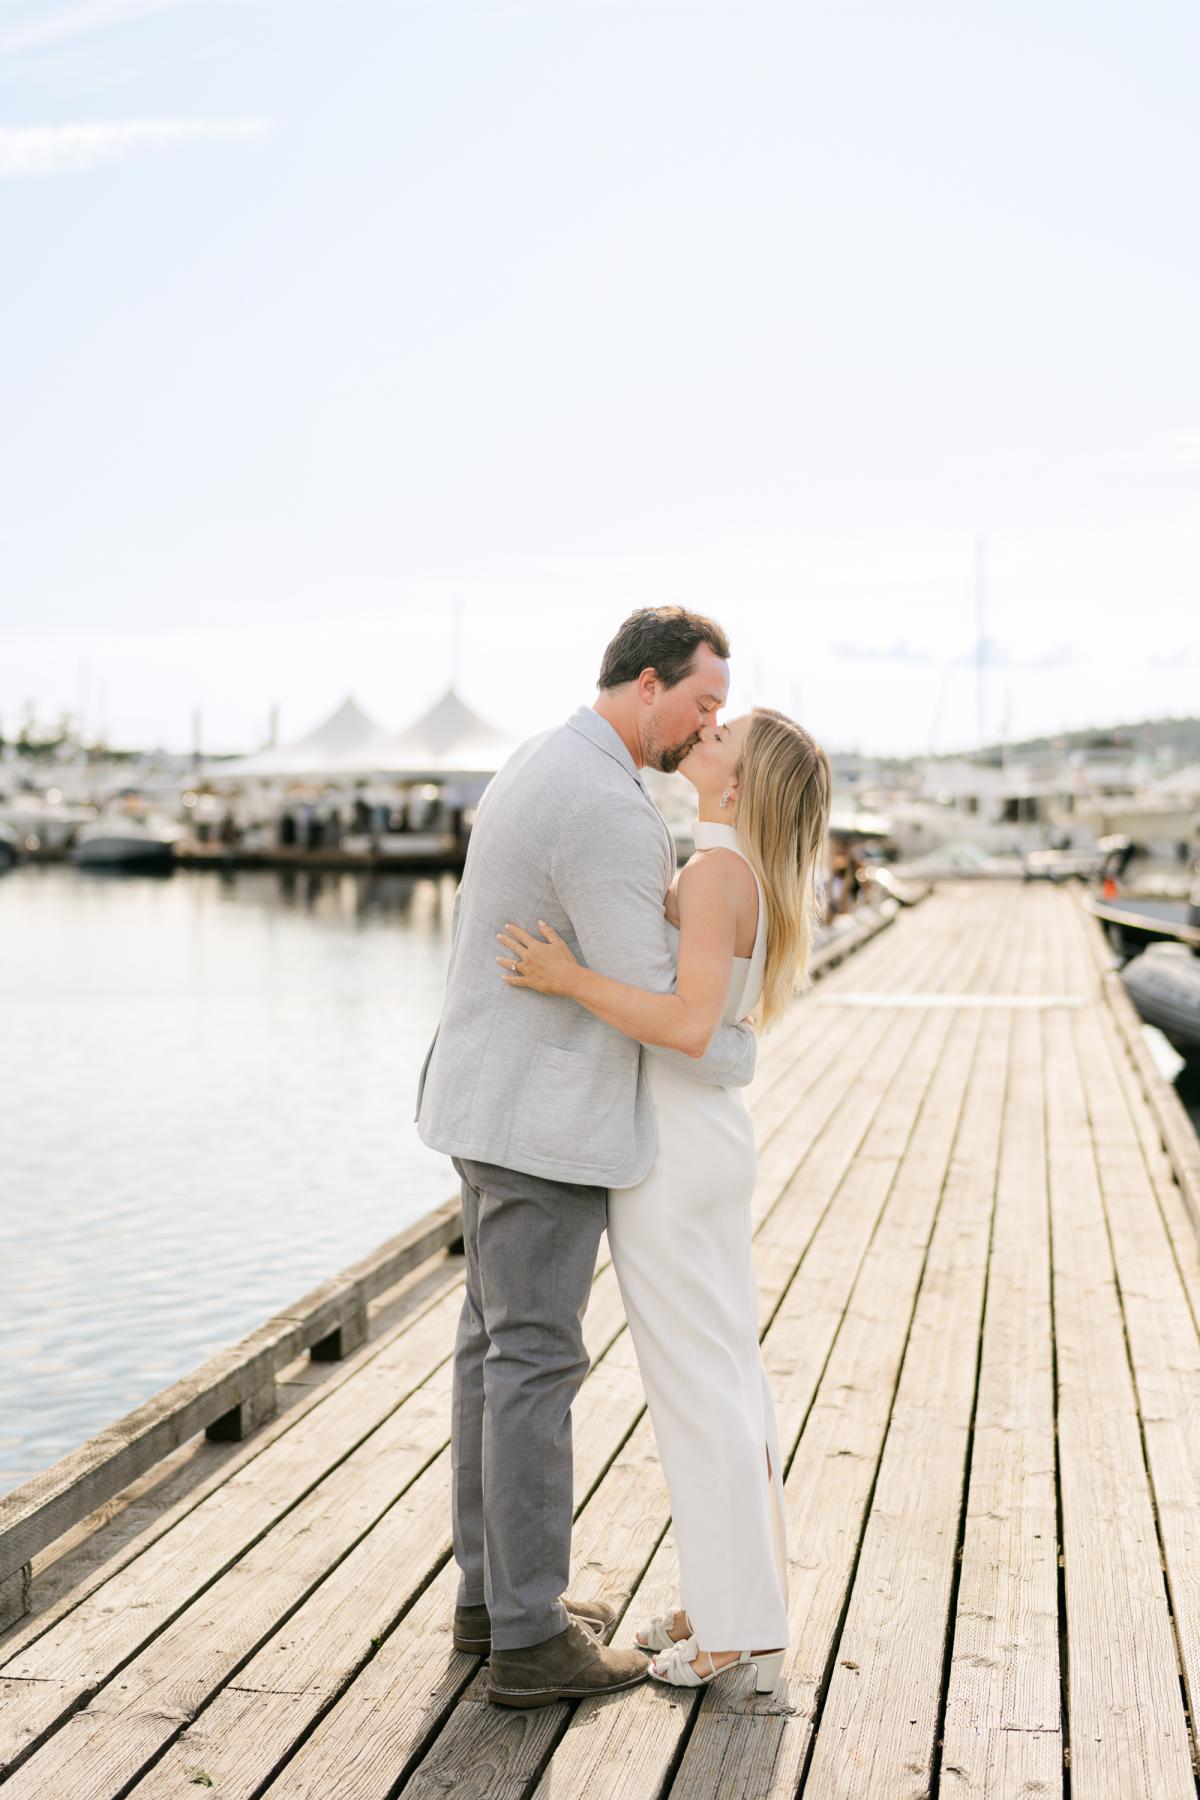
[[126, 841], [43, 821]]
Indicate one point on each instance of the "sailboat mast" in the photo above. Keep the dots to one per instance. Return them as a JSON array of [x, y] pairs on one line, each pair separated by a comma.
[[456, 642]]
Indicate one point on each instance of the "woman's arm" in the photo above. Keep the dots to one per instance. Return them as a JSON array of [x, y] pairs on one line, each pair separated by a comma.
[[685, 1020]]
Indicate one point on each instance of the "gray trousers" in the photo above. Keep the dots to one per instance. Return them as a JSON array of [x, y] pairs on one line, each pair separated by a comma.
[[519, 1360]]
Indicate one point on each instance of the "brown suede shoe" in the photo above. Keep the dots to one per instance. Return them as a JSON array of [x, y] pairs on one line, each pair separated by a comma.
[[473, 1628], [571, 1666]]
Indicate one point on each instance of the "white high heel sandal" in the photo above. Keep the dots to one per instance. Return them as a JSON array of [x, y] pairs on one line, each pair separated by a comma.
[[657, 1634], [675, 1666]]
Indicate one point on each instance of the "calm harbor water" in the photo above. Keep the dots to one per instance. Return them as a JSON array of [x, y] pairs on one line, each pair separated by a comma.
[[206, 1098]]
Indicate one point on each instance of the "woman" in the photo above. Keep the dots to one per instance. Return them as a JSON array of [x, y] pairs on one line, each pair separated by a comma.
[[741, 911]]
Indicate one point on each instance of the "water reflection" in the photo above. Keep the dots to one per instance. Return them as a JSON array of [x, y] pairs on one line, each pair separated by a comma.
[[206, 1088], [426, 900]]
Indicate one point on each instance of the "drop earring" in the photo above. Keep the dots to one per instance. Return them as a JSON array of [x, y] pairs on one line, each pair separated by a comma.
[[724, 799]]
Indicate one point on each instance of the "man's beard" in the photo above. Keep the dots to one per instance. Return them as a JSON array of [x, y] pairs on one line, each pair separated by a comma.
[[669, 760]]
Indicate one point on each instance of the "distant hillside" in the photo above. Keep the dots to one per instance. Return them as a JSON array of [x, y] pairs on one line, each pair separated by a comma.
[[1178, 738]]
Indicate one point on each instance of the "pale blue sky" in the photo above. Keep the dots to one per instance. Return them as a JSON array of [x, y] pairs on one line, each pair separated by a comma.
[[315, 316]]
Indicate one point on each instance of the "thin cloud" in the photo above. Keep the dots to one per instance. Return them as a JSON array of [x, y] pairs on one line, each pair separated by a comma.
[[1176, 659], [1061, 657], [993, 655], [898, 652], [76, 21], [61, 149]]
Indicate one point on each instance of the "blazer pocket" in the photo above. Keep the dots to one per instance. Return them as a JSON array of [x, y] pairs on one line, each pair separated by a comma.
[[575, 1106]]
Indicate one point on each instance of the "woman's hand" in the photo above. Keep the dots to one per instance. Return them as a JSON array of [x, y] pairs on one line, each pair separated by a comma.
[[546, 965]]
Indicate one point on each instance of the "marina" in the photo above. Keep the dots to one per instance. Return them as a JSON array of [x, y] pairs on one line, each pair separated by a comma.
[[979, 1281], [797, 409], [348, 795], [405, 406]]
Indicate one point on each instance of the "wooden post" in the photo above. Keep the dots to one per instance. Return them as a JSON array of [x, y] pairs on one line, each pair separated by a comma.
[[252, 1410], [345, 1337], [228, 1397], [15, 1592]]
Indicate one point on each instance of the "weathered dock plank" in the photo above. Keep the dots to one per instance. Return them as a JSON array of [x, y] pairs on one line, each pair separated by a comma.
[[880, 1719], [1163, 1347], [1003, 1728], [1128, 1731]]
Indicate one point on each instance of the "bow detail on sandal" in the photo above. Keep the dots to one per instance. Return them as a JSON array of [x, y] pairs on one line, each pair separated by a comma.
[[657, 1634], [675, 1666]]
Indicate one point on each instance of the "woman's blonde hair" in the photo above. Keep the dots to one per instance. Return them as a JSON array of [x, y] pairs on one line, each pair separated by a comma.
[[784, 790]]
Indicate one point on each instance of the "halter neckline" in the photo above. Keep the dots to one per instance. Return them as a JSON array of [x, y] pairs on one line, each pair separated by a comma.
[[707, 836]]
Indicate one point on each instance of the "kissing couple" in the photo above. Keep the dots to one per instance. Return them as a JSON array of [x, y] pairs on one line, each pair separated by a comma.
[[598, 1024]]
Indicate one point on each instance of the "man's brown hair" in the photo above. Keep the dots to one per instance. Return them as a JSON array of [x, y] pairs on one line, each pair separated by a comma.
[[662, 638]]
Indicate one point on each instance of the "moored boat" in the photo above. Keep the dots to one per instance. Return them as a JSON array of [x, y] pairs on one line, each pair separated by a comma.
[[960, 860], [1131, 921], [1164, 984], [121, 841]]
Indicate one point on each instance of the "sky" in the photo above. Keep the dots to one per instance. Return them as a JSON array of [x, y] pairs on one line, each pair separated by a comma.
[[869, 329]]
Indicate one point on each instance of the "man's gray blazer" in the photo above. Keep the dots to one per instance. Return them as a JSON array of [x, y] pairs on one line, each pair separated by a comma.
[[565, 832]]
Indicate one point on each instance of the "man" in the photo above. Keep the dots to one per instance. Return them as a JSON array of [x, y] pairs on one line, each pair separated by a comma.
[[542, 1108]]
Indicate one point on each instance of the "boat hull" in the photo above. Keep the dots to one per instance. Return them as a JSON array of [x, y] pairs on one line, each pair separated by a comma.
[[1164, 985], [1131, 924], [123, 853]]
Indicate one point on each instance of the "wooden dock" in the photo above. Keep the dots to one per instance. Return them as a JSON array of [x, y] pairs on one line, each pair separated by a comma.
[[979, 1278]]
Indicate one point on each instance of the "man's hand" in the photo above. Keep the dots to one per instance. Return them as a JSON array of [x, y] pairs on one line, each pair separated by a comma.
[[544, 964]]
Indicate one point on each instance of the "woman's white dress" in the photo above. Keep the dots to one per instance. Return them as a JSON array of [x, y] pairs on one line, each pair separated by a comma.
[[681, 1246]]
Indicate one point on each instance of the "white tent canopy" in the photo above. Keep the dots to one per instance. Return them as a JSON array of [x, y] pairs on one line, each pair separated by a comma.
[[449, 739], [339, 741]]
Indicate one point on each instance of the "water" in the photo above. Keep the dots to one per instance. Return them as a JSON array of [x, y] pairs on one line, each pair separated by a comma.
[[206, 1098]]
